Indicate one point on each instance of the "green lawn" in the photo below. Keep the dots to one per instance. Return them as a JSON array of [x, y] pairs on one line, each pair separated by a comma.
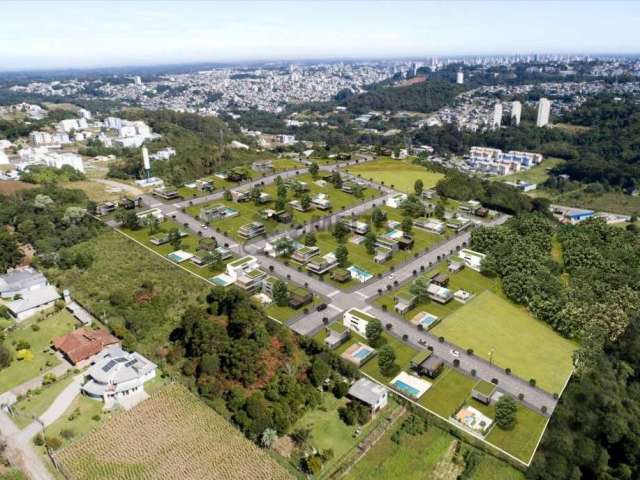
[[43, 357], [448, 392], [522, 440], [467, 279], [528, 346], [328, 431], [404, 354], [490, 468], [286, 313], [89, 416], [537, 174], [413, 459], [38, 401], [402, 174]]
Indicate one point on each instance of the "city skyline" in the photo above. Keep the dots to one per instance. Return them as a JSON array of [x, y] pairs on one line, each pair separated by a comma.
[[142, 33]]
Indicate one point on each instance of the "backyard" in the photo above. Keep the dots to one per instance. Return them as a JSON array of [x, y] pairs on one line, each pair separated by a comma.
[[38, 335], [402, 174]]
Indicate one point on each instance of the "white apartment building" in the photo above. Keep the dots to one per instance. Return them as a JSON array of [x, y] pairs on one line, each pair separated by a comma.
[[516, 113], [496, 120], [544, 111], [357, 320], [460, 77]]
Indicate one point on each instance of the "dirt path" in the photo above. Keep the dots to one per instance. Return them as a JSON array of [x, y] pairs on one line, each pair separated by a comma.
[[446, 468]]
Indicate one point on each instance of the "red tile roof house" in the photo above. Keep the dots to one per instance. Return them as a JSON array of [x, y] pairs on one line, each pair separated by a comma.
[[82, 344]]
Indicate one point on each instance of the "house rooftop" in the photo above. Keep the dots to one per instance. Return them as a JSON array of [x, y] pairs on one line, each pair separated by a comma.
[[485, 388], [367, 391]]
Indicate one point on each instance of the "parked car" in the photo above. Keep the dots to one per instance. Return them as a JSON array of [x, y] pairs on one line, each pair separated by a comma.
[[321, 307]]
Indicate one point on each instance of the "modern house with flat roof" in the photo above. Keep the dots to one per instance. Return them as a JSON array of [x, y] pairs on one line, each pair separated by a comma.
[[431, 365], [299, 297], [439, 294], [334, 339], [21, 281], [149, 215], [240, 195], [262, 166], [483, 391], [404, 302], [251, 230], [394, 201], [357, 320], [323, 264], [241, 265], [216, 212], [472, 259], [373, 395], [459, 224], [321, 201], [431, 225], [32, 302], [116, 374], [305, 253], [355, 226], [251, 280]]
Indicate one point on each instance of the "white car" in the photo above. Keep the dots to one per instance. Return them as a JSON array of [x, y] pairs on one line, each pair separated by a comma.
[[204, 226], [455, 353]]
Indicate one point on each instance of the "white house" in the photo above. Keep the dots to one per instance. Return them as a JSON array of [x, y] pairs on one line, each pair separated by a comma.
[[396, 200], [21, 281], [32, 302], [116, 374], [357, 320], [472, 259], [245, 264], [369, 393]]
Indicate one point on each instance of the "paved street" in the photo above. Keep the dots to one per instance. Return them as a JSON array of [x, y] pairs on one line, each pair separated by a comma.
[[338, 301]]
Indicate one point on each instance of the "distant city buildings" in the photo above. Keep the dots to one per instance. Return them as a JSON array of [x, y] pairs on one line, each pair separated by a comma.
[[460, 77], [544, 111], [496, 120]]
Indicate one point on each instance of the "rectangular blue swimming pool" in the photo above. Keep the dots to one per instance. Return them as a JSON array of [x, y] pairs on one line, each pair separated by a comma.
[[408, 389]]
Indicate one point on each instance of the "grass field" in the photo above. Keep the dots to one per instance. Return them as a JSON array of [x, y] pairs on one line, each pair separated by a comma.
[[448, 392], [328, 431], [537, 174], [122, 266], [171, 435], [490, 468], [529, 347], [38, 401], [43, 357], [96, 191], [402, 174], [413, 459], [522, 440]]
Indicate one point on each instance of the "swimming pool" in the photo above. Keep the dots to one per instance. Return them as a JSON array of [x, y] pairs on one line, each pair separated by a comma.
[[230, 212], [428, 320], [362, 353], [408, 389], [359, 274], [393, 234]]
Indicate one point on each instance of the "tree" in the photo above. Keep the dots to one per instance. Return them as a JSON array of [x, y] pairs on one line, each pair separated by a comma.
[[285, 246], [10, 256], [268, 437], [175, 239], [213, 260], [280, 293], [342, 255], [255, 195], [227, 195], [506, 410], [387, 361], [407, 225], [419, 289], [370, 242], [313, 169], [5, 357], [378, 217], [282, 191], [373, 331], [357, 190], [340, 232], [438, 211], [310, 239], [305, 201], [320, 370], [418, 187]]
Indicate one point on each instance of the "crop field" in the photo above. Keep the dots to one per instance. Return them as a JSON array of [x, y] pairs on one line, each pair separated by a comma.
[[170, 435], [402, 174], [529, 347]]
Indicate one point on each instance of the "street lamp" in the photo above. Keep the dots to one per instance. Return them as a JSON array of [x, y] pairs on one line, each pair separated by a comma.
[[491, 355]]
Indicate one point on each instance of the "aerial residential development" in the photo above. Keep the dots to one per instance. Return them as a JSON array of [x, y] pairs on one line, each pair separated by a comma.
[[319, 241]]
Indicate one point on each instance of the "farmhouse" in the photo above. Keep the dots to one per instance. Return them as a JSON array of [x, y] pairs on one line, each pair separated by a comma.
[[251, 230], [82, 344], [32, 302], [472, 259], [116, 374], [373, 395], [21, 281], [357, 320]]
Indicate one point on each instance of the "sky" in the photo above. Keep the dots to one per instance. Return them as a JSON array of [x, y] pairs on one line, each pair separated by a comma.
[[88, 34]]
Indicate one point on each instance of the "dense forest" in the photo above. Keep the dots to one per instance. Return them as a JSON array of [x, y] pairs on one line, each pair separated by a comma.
[[583, 280]]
